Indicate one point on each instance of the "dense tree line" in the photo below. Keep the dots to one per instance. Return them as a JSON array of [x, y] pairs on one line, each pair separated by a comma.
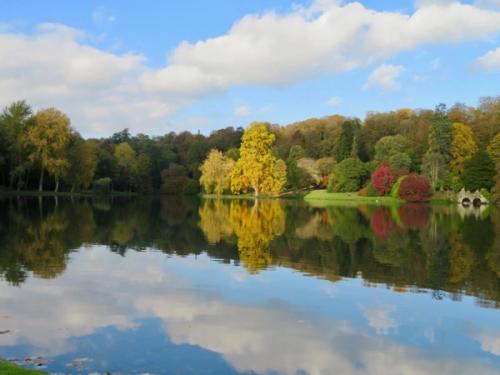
[[454, 148]]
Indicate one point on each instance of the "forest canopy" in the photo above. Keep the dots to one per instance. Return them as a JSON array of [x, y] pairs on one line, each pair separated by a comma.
[[449, 146]]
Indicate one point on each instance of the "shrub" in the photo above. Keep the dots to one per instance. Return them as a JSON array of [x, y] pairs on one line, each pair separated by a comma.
[[348, 176], [383, 178], [486, 194], [102, 186], [368, 191], [415, 188], [456, 183]]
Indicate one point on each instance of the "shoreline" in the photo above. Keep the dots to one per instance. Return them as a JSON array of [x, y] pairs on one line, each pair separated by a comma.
[[313, 197]]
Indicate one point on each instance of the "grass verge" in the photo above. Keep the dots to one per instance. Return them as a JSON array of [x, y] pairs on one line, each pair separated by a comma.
[[7, 368], [351, 198]]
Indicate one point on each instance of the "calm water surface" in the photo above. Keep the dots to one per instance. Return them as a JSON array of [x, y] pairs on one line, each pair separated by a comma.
[[179, 286]]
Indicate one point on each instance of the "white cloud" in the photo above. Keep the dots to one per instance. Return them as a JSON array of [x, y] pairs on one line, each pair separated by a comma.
[[273, 49], [379, 318], [103, 92], [99, 90], [101, 16], [242, 111], [384, 77], [489, 61], [490, 342], [334, 101]]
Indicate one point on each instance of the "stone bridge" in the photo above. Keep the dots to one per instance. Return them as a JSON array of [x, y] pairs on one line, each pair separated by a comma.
[[466, 198]]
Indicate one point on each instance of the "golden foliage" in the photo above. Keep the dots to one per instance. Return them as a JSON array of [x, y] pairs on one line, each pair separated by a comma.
[[216, 172], [258, 169], [463, 147], [48, 139], [255, 226], [214, 220]]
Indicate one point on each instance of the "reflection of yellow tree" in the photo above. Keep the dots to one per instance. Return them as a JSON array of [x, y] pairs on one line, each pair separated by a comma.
[[214, 220], [461, 258], [255, 226], [43, 248]]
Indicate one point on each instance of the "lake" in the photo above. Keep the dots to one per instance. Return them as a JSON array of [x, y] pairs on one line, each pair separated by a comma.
[[182, 286]]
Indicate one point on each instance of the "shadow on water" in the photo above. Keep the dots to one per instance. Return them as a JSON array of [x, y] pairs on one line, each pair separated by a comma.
[[409, 248]]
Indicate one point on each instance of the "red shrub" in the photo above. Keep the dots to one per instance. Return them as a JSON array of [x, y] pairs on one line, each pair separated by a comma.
[[383, 178], [415, 188], [382, 223]]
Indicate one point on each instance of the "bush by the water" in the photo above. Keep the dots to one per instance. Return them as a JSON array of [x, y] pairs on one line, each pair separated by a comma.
[[348, 176], [368, 191], [415, 188], [383, 178]]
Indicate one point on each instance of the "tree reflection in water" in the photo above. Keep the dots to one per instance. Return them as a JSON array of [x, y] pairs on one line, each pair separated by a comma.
[[406, 247]]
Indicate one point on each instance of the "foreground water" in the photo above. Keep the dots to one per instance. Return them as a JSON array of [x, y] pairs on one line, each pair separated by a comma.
[[178, 286]]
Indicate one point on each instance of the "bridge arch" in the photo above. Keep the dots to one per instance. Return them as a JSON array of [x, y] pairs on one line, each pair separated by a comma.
[[474, 199]]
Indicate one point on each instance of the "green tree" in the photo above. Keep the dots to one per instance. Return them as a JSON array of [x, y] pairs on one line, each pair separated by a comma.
[[257, 168], [348, 176], [15, 121], [82, 159], [440, 136], [463, 147], [216, 172], [400, 161], [389, 146], [479, 172], [47, 142], [348, 138]]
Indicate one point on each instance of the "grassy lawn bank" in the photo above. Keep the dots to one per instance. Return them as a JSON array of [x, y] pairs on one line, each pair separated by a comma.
[[354, 198], [9, 369]]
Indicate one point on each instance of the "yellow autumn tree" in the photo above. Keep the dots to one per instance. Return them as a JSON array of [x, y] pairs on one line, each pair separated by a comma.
[[47, 142], [214, 220], [255, 227], [493, 149], [216, 172], [257, 169], [463, 147]]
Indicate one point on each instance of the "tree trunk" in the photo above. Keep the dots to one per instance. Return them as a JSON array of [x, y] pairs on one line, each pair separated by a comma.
[[40, 185], [57, 185]]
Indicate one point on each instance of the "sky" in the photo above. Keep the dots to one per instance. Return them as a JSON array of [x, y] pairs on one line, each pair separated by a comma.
[[161, 66]]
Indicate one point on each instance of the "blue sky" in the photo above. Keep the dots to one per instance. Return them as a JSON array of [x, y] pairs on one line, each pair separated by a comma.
[[160, 66]]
